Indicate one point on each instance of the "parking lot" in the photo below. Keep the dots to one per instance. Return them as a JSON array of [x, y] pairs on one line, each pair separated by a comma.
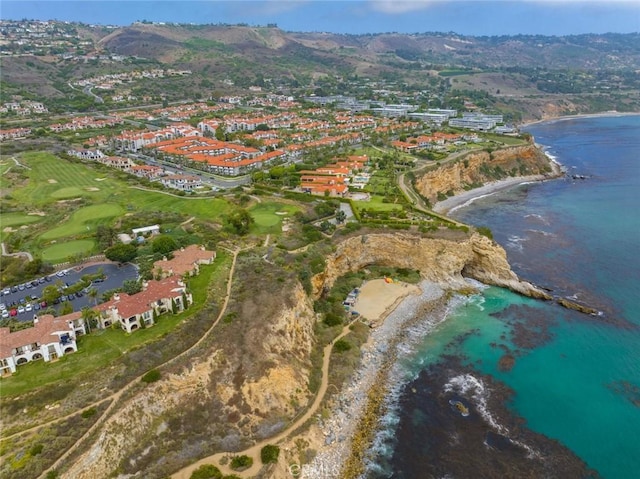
[[24, 300]]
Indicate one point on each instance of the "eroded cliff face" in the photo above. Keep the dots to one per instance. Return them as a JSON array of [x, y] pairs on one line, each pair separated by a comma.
[[482, 167], [224, 398], [442, 261]]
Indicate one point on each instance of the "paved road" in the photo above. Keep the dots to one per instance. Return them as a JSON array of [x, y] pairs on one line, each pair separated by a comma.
[[115, 275]]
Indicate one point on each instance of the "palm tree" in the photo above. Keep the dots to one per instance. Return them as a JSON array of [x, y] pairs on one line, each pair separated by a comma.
[[93, 293], [88, 315]]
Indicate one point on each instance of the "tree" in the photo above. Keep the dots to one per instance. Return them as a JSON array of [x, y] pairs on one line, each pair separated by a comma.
[[105, 236], [206, 471], [240, 221], [122, 253], [89, 317], [93, 294], [50, 294], [341, 216], [131, 286], [164, 245], [269, 454], [67, 308]]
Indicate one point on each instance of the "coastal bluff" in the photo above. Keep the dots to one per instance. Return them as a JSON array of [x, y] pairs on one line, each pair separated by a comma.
[[480, 167], [446, 262]]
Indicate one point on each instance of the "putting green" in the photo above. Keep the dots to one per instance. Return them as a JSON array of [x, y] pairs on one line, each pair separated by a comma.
[[84, 220], [60, 252], [68, 192], [18, 219], [266, 217]]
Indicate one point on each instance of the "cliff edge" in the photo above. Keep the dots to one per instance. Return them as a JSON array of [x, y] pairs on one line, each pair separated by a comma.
[[443, 261]]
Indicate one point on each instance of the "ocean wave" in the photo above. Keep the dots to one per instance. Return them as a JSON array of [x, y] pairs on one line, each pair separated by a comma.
[[537, 217], [515, 242], [471, 201], [472, 388], [542, 232]]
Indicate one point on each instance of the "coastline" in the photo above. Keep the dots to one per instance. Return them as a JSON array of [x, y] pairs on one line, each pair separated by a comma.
[[335, 435], [578, 116], [466, 198]]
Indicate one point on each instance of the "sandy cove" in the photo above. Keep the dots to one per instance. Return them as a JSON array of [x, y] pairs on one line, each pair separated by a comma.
[[393, 307]]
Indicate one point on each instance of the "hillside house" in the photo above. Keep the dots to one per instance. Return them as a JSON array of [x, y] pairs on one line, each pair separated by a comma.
[[137, 311], [185, 261], [49, 339]]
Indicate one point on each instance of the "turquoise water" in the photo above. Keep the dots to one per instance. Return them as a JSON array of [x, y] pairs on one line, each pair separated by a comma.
[[575, 378]]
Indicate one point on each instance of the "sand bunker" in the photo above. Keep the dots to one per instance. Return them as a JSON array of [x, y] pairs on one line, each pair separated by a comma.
[[100, 179], [281, 213], [51, 180], [37, 213], [92, 188]]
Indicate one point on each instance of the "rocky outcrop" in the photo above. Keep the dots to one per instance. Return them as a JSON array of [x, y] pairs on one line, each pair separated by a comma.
[[477, 168], [443, 261]]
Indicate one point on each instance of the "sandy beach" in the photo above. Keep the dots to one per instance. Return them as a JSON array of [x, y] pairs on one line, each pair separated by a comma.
[[398, 305], [378, 298], [468, 197]]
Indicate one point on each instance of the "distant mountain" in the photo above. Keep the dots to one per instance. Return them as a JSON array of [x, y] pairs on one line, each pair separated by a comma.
[[602, 51]]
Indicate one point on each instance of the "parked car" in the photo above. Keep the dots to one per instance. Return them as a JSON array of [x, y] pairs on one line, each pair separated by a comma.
[[71, 296], [21, 287], [3, 306], [28, 307], [36, 306], [13, 312], [20, 309], [5, 314], [41, 280], [43, 304], [6, 291]]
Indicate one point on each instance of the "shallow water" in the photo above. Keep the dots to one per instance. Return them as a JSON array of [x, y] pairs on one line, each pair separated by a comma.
[[567, 383]]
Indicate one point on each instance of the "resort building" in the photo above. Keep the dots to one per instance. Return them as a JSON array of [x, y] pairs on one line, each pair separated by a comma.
[[50, 338], [186, 261]]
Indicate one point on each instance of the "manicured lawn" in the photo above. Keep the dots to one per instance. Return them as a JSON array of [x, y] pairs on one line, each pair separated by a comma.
[[98, 350], [18, 219], [84, 220], [52, 178], [59, 253], [376, 204], [267, 221], [106, 195]]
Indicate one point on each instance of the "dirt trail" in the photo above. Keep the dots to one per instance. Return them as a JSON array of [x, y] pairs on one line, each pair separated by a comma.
[[254, 451], [114, 398]]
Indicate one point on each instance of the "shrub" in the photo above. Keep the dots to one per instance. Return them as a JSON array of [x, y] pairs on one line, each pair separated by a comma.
[[332, 319], [88, 412], [206, 471], [152, 376], [485, 231], [241, 462], [341, 346], [269, 454], [36, 449]]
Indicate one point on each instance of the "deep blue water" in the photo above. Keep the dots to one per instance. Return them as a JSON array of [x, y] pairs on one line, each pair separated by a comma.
[[574, 378]]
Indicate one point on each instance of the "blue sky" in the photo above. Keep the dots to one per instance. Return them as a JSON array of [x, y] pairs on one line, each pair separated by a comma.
[[467, 17]]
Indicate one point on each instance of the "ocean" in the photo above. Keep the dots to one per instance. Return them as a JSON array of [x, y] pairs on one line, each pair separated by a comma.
[[509, 386]]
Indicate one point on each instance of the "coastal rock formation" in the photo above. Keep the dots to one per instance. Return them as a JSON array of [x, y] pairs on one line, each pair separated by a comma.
[[442, 261], [477, 168]]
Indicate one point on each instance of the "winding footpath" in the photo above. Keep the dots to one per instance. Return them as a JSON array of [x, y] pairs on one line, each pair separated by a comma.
[[114, 398], [254, 451]]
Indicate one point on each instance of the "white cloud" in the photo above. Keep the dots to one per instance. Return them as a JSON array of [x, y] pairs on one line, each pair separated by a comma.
[[404, 6], [395, 6]]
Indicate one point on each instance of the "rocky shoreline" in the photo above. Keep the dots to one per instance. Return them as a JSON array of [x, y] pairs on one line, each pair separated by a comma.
[[347, 432]]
